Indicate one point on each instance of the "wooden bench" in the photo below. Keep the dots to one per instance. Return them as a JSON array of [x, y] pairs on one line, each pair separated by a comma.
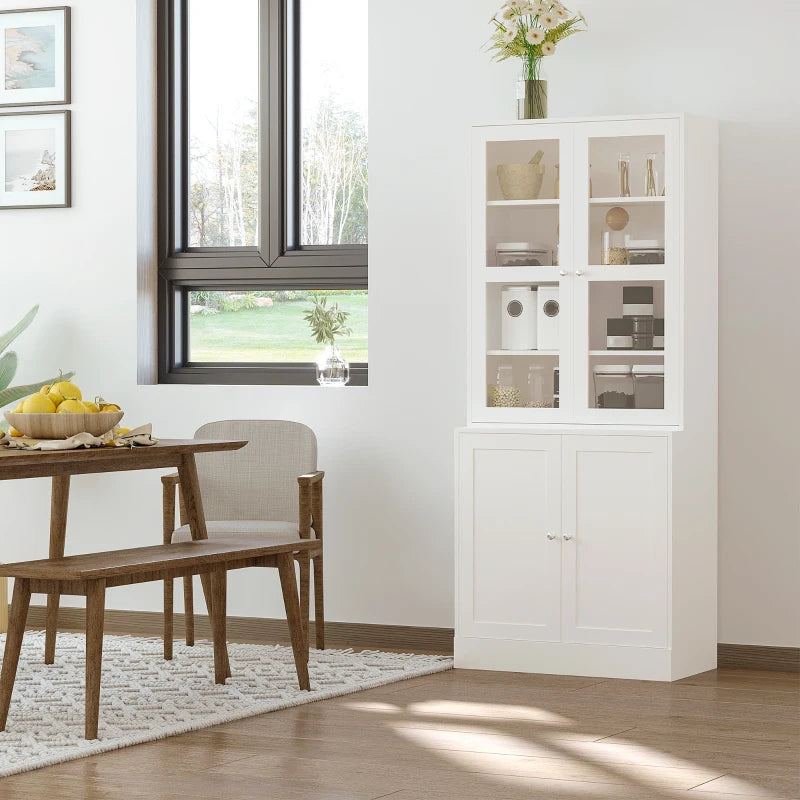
[[91, 574]]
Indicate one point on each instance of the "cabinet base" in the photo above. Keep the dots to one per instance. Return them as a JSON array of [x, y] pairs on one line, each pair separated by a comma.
[[556, 658]]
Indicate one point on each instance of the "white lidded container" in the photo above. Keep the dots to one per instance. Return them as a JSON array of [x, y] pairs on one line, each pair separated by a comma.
[[613, 386], [548, 318], [523, 254], [518, 311]]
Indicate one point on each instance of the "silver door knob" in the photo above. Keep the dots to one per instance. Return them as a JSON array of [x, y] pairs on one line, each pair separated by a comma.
[[567, 537], [563, 273], [551, 536], [578, 273]]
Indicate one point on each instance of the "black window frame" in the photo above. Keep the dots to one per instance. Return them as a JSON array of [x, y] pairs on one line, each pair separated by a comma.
[[279, 261]]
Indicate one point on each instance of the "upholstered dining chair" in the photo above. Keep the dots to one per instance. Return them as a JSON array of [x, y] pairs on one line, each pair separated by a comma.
[[271, 487]]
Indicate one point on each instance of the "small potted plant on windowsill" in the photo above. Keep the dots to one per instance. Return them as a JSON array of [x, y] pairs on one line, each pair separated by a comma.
[[327, 323]]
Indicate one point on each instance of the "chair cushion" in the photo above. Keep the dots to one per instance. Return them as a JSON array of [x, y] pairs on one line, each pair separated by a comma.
[[265, 528]]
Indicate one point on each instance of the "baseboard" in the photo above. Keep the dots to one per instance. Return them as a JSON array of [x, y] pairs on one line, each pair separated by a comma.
[[405, 638], [754, 656]]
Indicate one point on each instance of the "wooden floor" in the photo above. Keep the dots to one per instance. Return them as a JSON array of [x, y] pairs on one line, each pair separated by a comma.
[[474, 735]]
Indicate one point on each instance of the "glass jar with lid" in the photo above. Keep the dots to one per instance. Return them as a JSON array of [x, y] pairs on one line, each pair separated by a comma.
[[503, 392], [648, 385], [523, 254], [613, 250], [613, 386], [537, 396]]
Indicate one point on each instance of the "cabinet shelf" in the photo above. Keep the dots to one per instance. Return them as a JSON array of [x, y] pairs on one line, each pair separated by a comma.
[[523, 203], [624, 201], [626, 353], [523, 352]]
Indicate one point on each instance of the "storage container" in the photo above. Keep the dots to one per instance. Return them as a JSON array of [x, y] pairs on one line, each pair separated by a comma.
[[556, 387], [637, 301], [537, 393], [613, 386], [518, 326], [613, 251], [644, 251], [642, 328], [619, 334], [523, 254], [503, 392], [648, 385], [658, 334]]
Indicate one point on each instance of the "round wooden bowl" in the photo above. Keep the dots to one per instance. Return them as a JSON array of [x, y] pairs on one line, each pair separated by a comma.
[[62, 426]]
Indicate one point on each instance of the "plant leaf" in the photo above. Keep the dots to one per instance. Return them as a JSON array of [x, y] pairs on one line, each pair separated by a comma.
[[9, 336], [8, 368], [15, 393]]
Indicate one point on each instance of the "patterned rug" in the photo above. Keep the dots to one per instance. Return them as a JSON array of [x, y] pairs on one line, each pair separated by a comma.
[[143, 697]]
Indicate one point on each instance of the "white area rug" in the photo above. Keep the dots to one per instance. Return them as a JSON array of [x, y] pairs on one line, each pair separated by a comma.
[[143, 697]]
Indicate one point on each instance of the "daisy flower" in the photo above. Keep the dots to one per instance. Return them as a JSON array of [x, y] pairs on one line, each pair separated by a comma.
[[560, 11], [510, 33], [548, 48], [548, 20], [535, 36], [540, 8], [509, 13]]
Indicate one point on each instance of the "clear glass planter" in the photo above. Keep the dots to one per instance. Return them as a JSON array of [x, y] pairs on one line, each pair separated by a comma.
[[332, 368]]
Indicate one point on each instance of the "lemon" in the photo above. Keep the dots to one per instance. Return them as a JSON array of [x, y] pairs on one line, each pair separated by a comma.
[[45, 389], [71, 407], [110, 407], [91, 407], [38, 404], [64, 390], [12, 431], [18, 409], [123, 431]]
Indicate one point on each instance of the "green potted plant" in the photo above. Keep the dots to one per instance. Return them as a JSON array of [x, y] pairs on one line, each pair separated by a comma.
[[327, 323]]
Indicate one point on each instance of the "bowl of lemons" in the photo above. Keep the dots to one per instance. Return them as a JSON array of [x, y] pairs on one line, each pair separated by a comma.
[[59, 411]]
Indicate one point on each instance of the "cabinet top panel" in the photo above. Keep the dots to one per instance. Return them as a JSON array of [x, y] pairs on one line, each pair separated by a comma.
[[578, 120]]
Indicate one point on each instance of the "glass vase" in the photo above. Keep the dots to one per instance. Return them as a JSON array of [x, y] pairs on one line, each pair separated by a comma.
[[332, 368], [531, 92]]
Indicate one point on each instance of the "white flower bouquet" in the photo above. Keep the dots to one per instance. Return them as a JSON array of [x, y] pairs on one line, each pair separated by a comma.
[[531, 30]]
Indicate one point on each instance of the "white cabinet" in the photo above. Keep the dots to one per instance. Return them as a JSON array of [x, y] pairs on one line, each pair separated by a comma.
[[587, 488]]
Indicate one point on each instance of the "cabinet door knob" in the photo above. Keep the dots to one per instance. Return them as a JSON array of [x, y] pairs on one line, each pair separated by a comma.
[[567, 537], [563, 273], [578, 272], [551, 536]]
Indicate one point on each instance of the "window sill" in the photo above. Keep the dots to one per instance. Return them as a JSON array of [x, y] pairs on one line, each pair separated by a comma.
[[256, 375]]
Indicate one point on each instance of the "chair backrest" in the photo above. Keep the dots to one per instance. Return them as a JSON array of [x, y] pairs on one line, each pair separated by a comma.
[[260, 480]]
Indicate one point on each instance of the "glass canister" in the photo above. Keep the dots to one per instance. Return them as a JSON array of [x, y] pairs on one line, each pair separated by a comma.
[[613, 386], [613, 250], [648, 385], [503, 393], [536, 388]]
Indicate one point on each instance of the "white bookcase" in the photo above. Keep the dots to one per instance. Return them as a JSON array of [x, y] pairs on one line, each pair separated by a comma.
[[586, 517]]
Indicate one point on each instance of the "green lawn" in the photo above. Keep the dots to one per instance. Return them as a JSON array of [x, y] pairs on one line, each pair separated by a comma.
[[278, 333]]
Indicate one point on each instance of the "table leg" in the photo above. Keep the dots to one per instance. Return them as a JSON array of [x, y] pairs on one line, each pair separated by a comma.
[[3, 605], [59, 501], [193, 503]]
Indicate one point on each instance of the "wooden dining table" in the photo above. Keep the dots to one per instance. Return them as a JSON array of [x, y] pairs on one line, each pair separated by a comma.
[[61, 465]]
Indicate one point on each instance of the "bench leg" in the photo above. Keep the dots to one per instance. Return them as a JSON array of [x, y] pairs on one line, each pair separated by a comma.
[[188, 609], [16, 630], [59, 502], [95, 610], [219, 580], [319, 604], [290, 601], [169, 613]]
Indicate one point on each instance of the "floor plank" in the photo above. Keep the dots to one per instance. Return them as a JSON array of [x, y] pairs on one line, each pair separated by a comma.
[[723, 735]]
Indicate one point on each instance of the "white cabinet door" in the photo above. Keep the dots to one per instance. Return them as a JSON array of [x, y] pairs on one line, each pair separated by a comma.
[[509, 549], [616, 553]]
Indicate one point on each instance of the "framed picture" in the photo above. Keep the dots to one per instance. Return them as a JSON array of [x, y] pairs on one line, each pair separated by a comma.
[[36, 56], [35, 159]]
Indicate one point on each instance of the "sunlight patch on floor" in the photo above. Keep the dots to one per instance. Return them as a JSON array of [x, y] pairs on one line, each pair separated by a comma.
[[493, 710]]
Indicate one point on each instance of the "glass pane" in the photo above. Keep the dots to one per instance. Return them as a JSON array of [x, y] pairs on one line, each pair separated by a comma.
[[522, 215], [244, 326], [626, 344], [333, 49], [223, 124]]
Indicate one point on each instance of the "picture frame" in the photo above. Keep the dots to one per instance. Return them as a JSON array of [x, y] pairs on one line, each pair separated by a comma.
[[35, 159], [36, 56]]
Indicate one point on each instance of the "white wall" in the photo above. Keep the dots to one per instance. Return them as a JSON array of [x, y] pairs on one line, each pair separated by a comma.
[[388, 448]]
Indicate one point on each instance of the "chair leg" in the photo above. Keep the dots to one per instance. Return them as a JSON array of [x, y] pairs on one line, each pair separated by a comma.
[[16, 629], [319, 604], [169, 602], [305, 591], [95, 609], [290, 601], [188, 609], [219, 580]]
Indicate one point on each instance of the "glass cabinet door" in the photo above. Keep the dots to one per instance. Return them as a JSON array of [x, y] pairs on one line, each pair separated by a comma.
[[626, 282], [521, 364]]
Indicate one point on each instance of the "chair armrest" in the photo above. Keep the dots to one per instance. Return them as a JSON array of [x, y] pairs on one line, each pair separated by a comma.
[[311, 478], [170, 480]]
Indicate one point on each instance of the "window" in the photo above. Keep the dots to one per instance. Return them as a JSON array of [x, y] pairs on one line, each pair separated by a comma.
[[262, 185]]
